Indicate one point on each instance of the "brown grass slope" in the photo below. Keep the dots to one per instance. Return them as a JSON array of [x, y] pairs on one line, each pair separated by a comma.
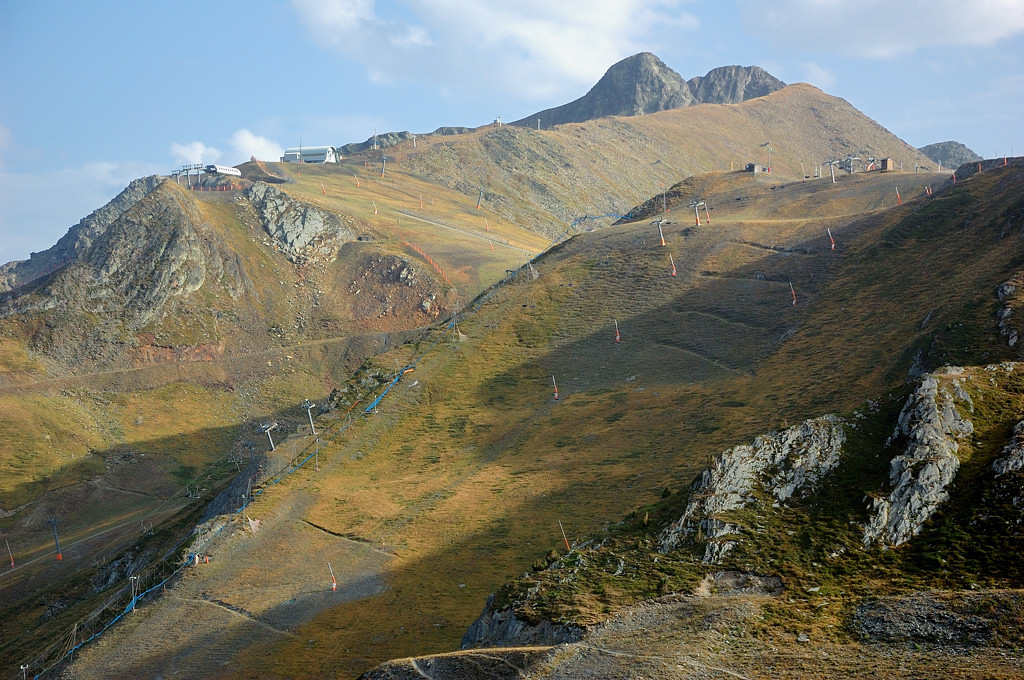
[[143, 366], [545, 179], [465, 470], [201, 325]]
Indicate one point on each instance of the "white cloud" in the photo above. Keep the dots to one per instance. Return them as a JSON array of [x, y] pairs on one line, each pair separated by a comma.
[[882, 28], [36, 210], [817, 75], [245, 144], [195, 152], [531, 48]]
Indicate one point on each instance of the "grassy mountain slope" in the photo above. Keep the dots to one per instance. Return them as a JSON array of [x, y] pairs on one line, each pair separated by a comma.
[[545, 179], [144, 364], [460, 478]]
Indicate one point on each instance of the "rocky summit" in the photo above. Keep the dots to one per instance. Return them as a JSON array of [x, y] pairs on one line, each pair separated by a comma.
[[643, 84]]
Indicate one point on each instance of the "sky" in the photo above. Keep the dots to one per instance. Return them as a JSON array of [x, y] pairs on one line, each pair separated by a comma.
[[94, 94]]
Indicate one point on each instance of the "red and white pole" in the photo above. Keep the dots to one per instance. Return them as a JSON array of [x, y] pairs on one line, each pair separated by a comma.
[[791, 290], [617, 337], [563, 535], [673, 264], [334, 581], [555, 385], [830, 239]]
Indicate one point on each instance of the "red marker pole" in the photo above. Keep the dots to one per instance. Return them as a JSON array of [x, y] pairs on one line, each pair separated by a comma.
[[563, 535], [617, 330], [662, 234], [555, 385], [793, 292], [334, 581], [899, 201], [323, 189], [830, 238], [707, 214], [673, 264]]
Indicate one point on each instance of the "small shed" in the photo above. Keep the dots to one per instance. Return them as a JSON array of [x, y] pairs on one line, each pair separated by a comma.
[[755, 168], [887, 164]]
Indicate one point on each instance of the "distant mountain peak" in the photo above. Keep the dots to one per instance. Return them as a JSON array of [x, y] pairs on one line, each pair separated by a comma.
[[643, 84], [950, 154]]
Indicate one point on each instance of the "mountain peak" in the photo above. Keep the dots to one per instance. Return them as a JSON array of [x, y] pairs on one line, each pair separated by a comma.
[[643, 83]]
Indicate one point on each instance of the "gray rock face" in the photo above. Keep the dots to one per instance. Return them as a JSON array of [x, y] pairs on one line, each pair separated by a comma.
[[386, 139], [781, 463], [1007, 293], [643, 84], [733, 84], [930, 425], [932, 618], [1012, 457], [78, 238], [153, 256], [503, 629], [950, 154], [302, 231]]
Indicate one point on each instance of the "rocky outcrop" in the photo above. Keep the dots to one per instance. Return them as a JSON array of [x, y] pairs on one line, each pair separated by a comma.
[[958, 619], [1012, 457], [502, 628], [733, 84], [78, 239], [949, 154], [300, 230], [928, 429], [153, 256], [1008, 294], [643, 84], [780, 463], [386, 139]]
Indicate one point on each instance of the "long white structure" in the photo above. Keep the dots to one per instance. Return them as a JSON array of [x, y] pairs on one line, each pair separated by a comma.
[[310, 154], [222, 170]]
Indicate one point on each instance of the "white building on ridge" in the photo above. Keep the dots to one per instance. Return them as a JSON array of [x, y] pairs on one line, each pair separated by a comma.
[[310, 154]]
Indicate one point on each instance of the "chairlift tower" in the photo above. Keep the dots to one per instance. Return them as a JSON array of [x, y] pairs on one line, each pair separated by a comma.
[[52, 521], [309, 406], [267, 427], [769, 145]]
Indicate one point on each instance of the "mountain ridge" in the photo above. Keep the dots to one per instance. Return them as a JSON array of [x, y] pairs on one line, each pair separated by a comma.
[[642, 84]]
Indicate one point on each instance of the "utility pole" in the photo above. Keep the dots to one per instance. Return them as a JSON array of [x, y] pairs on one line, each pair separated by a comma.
[[53, 523]]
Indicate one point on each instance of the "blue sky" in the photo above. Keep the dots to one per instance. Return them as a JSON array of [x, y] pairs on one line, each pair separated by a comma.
[[94, 94]]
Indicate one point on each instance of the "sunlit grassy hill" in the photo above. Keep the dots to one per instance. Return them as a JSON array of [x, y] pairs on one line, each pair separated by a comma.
[[459, 479], [546, 178], [138, 374]]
